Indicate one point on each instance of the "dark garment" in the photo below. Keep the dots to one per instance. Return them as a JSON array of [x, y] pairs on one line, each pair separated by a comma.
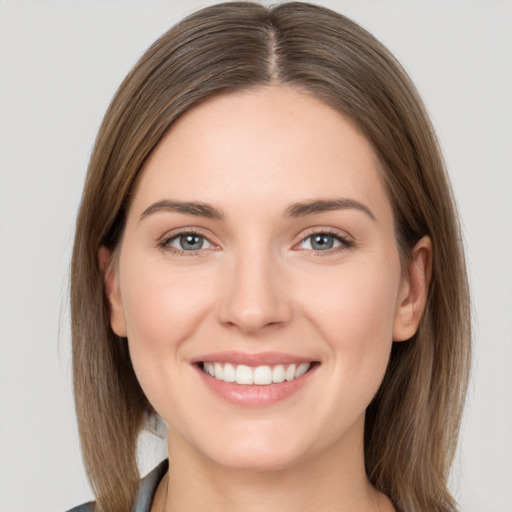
[[146, 493]]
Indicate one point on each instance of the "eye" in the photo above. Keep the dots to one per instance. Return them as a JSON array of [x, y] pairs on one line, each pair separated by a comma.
[[324, 242], [187, 242]]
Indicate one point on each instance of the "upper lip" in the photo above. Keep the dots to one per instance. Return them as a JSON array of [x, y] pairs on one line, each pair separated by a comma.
[[252, 359]]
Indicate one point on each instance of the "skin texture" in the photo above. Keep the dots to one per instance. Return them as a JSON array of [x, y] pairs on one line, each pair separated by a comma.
[[257, 286]]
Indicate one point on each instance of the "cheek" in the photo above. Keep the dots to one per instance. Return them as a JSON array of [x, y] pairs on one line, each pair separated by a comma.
[[162, 310], [162, 306], [353, 310], [355, 297]]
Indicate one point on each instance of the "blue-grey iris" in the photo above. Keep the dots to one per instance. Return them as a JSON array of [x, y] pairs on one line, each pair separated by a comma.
[[191, 242], [322, 242]]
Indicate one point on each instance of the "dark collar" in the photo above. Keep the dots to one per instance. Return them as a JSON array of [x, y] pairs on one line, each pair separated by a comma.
[[148, 486]]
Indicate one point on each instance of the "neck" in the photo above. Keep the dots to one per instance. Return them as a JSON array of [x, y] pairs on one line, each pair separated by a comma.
[[333, 480]]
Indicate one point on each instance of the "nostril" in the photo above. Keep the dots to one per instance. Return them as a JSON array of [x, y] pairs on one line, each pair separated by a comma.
[[255, 298], [251, 321]]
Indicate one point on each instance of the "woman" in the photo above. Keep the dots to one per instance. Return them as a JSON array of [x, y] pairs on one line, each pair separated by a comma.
[[268, 236]]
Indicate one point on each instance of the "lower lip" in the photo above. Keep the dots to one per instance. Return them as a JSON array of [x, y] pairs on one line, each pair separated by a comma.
[[255, 395]]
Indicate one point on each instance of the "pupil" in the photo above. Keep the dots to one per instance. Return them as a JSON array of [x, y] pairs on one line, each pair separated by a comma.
[[191, 242], [322, 242]]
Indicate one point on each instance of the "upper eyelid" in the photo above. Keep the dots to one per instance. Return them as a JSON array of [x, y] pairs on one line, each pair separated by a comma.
[[345, 240], [165, 243], [169, 235], [342, 235], [338, 233]]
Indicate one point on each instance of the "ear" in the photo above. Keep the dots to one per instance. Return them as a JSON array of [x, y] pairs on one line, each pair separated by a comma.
[[112, 291], [412, 295]]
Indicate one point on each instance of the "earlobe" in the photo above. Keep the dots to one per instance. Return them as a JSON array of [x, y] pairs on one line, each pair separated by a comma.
[[112, 291], [413, 292]]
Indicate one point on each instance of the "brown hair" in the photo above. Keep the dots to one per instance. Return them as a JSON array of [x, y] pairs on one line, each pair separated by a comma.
[[412, 424]]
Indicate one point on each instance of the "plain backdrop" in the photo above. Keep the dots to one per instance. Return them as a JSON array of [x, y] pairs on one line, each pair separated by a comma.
[[60, 63]]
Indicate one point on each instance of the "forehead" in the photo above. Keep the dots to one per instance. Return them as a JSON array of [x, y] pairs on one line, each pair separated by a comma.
[[269, 144]]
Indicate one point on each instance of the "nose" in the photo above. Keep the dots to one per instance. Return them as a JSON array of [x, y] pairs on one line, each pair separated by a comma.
[[255, 297]]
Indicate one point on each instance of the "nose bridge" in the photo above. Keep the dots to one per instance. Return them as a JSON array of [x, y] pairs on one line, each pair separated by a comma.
[[255, 295]]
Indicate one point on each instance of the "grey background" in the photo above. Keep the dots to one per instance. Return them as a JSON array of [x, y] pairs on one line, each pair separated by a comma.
[[60, 63]]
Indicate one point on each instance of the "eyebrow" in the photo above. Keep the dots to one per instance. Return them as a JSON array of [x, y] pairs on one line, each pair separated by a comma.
[[301, 209], [188, 207], [306, 208]]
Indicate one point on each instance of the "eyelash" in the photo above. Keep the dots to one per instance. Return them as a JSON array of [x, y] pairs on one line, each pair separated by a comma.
[[345, 243], [164, 244]]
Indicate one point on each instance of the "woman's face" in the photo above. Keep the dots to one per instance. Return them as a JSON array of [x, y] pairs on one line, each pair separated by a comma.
[[260, 244]]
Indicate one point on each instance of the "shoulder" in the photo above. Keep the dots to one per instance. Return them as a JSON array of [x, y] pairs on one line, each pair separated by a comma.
[[86, 507], [147, 489]]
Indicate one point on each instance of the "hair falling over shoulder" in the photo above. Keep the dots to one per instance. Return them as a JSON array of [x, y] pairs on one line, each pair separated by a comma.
[[412, 424]]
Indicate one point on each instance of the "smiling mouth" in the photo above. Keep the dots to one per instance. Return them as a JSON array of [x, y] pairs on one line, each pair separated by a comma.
[[260, 375]]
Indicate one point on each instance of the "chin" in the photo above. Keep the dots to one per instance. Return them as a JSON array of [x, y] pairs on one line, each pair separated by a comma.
[[258, 449], [257, 459]]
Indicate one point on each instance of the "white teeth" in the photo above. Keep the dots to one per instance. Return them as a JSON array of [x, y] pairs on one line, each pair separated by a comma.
[[301, 370], [229, 374], [289, 374], [218, 371], [278, 373], [244, 374], [263, 375], [260, 375]]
